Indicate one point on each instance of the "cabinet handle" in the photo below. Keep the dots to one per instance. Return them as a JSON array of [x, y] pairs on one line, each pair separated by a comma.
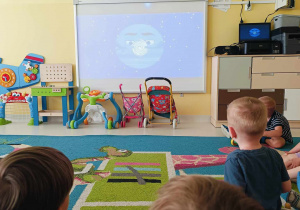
[[250, 72], [285, 104], [267, 90], [267, 74], [268, 58], [234, 90]]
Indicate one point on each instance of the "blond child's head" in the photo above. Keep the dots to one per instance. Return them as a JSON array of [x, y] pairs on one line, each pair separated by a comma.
[[195, 192], [247, 115], [35, 178], [269, 103]]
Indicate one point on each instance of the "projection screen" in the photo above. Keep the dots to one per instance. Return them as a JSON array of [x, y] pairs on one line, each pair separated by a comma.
[[126, 42]]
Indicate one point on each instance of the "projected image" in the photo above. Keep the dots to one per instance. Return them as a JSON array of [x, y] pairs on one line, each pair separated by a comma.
[[141, 45]]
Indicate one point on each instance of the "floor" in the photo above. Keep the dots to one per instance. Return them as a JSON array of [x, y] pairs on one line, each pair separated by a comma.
[[189, 126]]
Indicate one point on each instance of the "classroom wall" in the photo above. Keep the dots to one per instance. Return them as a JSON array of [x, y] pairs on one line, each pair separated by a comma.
[[46, 27]]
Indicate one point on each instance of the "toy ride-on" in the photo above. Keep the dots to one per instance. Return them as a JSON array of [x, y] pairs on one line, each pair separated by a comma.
[[94, 112]]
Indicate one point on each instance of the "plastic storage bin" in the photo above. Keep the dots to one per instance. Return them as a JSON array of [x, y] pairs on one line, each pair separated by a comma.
[[286, 21]]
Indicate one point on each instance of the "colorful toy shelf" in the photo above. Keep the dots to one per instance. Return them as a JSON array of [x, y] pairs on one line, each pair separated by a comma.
[[54, 73]]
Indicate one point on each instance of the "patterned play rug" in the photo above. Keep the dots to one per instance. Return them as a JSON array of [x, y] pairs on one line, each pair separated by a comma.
[[125, 172]]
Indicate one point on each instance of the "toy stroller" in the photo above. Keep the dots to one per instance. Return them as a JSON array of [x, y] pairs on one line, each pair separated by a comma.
[[133, 108], [161, 103]]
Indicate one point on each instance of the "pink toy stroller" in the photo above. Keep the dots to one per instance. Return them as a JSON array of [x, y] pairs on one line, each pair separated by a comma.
[[133, 108]]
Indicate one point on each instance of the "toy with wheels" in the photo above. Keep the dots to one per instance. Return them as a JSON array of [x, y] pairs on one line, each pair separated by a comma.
[[233, 143], [161, 103], [94, 112], [133, 108]]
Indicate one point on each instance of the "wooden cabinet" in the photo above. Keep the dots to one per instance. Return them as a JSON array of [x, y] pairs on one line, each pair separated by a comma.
[[237, 76]]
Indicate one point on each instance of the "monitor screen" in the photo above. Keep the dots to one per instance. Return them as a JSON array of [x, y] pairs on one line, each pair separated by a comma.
[[254, 32]]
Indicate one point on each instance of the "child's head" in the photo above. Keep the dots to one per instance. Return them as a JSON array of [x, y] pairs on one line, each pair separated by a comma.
[[194, 192], [35, 178], [247, 115], [269, 103]]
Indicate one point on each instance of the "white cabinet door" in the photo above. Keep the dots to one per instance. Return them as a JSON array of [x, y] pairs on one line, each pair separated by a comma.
[[292, 104], [235, 73]]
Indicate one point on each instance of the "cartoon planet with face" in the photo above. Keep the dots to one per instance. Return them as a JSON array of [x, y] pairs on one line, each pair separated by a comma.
[[139, 46], [254, 32]]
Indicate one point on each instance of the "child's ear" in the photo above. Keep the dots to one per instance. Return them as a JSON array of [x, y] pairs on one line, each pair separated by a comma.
[[232, 132]]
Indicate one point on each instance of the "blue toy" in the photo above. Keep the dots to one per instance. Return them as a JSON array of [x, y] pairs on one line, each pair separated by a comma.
[[16, 77], [94, 112]]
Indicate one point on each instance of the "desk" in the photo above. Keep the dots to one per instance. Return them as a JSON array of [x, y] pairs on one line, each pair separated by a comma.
[[44, 92]]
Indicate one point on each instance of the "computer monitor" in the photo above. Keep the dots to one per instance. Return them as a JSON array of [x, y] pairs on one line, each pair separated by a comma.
[[250, 32]]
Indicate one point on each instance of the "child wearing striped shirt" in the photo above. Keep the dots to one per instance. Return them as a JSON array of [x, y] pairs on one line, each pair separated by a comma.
[[278, 131]]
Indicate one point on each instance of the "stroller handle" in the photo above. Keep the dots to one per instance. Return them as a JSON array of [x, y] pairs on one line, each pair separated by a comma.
[[158, 78], [120, 86]]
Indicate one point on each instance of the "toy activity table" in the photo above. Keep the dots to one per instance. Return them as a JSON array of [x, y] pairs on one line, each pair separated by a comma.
[[54, 73]]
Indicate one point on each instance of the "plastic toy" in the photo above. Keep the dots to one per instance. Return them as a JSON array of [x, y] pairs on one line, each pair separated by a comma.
[[94, 112], [27, 66], [14, 97], [133, 108], [233, 143], [287, 206], [54, 73], [15, 77], [32, 77], [161, 103]]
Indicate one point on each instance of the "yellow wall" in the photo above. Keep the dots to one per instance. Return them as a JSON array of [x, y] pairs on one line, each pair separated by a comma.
[[46, 27]]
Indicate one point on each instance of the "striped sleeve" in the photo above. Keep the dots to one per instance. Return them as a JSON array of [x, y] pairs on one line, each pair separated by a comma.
[[277, 122]]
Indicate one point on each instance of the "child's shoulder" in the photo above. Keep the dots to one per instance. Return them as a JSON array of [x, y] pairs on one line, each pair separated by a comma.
[[271, 154], [277, 115], [235, 154], [242, 153]]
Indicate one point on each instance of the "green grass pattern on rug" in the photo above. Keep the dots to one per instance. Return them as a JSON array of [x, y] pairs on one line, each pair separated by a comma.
[[294, 187], [104, 191]]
